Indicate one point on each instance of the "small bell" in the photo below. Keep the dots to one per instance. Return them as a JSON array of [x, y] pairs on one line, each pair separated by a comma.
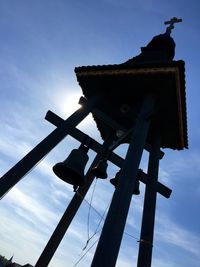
[[136, 190], [71, 170], [114, 182], [99, 170]]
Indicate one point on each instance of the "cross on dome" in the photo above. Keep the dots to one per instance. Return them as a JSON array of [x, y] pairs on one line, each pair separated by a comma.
[[171, 23]]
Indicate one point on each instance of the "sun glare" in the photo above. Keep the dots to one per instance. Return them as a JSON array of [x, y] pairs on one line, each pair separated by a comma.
[[67, 104]]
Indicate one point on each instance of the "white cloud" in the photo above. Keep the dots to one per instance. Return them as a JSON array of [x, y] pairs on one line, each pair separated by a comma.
[[170, 232], [19, 237], [28, 207], [158, 262], [26, 225]]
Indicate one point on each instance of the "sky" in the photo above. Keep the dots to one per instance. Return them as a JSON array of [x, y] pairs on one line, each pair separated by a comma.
[[42, 41]]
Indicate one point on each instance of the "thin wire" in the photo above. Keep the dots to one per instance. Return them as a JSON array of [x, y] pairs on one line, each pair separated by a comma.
[[102, 216], [85, 253], [96, 242], [89, 204], [90, 239], [136, 238], [97, 231], [88, 218]]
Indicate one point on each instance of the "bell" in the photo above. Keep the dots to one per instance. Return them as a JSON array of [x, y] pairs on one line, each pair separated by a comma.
[[99, 170], [114, 181], [71, 170], [136, 190]]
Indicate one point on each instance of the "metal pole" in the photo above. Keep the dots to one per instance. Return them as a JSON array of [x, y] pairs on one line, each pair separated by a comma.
[[148, 219], [13, 176], [68, 216], [110, 240]]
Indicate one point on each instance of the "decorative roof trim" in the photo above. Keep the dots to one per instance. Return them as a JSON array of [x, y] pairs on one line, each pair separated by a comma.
[[127, 71], [179, 100]]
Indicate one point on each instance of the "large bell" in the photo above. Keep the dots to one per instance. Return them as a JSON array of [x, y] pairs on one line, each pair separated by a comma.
[[99, 170], [136, 190], [71, 170]]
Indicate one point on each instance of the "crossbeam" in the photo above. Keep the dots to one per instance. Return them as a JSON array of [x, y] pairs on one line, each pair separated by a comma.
[[112, 123], [143, 177], [19, 170], [97, 147]]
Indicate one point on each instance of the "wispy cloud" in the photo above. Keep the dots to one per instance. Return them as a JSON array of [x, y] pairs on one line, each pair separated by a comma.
[[19, 237], [158, 262], [30, 208], [170, 232], [26, 219]]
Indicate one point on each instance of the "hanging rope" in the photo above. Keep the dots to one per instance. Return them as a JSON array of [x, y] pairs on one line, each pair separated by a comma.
[[88, 217], [85, 253], [101, 217], [80, 259], [97, 230], [97, 212]]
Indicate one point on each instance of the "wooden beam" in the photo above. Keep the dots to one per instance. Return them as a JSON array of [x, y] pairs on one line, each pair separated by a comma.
[[19, 170], [114, 158], [112, 123]]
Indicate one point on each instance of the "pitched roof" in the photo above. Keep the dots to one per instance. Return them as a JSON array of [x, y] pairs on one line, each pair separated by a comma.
[[126, 84]]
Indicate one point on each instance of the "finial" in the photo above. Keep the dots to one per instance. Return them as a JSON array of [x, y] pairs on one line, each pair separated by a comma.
[[171, 24]]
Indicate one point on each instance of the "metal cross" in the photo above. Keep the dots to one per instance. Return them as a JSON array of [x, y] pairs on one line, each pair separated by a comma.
[[171, 24]]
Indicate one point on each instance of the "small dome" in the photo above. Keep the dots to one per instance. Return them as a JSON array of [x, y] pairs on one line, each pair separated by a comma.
[[162, 42]]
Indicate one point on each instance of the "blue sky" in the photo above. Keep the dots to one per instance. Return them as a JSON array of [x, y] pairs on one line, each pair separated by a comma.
[[41, 43]]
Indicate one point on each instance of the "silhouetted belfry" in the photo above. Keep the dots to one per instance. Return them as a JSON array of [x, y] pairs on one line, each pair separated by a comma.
[[114, 181], [71, 170], [125, 85], [99, 170], [141, 102]]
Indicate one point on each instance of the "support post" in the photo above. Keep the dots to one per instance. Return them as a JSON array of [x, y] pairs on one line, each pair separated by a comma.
[[68, 216], [13, 176], [65, 221], [110, 240], [148, 219]]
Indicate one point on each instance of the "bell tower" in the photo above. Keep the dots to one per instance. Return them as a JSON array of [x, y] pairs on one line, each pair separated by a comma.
[[140, 102]]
